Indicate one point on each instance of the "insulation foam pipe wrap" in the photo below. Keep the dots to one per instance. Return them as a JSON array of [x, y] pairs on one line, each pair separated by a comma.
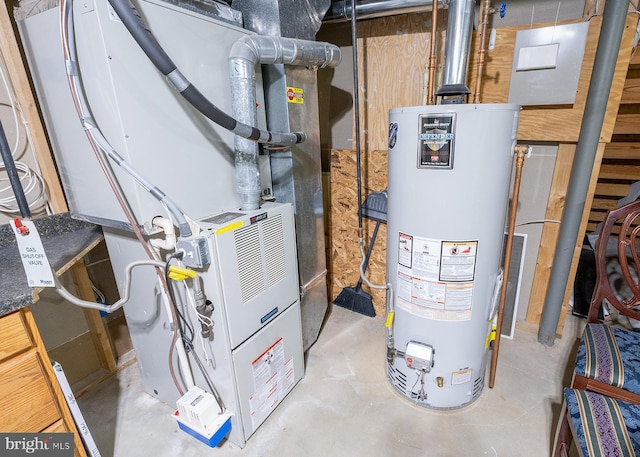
[[245, 54], [129, 16]]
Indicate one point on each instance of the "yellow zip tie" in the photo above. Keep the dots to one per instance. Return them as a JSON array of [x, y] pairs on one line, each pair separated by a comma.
[[180, 274], [389, 322], [229, 227]]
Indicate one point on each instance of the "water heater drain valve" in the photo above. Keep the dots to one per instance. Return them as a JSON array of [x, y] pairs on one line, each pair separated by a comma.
[[419, 356]]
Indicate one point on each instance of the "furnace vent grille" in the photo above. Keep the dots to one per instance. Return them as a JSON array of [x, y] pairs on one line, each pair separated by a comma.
[[250, 265], [274, 253]]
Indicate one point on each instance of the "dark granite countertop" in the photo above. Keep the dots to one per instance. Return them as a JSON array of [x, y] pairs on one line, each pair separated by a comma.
[[65, 240]]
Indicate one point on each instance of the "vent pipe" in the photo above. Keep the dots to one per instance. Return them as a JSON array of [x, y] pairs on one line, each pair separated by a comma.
[[245, 54], [368, 9], [457, 46]]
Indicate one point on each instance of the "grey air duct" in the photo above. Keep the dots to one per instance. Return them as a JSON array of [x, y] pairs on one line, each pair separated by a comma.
[[245, 54]]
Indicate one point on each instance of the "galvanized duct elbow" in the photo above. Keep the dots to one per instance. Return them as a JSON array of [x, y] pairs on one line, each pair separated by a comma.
[[457, 46], [245, 54]]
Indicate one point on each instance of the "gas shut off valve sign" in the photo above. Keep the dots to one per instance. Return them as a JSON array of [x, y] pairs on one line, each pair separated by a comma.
[[34, 259]]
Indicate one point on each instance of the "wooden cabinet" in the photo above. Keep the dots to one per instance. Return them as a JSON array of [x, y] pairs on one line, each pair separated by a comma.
[[32, 400]]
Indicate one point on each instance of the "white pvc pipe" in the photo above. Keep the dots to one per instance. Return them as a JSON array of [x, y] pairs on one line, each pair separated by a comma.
[[183, 359]]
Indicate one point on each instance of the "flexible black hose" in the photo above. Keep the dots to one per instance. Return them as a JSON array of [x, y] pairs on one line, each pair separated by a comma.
[[12, 172], [131, 19]]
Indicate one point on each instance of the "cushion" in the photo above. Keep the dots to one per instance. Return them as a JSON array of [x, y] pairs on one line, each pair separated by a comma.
[[610, 355], [603, 427]]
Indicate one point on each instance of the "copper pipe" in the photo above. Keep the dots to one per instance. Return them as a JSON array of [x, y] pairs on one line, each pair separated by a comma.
[[521, 152], [486, 7], [431, 86]]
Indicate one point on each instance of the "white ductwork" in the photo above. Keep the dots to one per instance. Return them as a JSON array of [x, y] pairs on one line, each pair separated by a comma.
[[245, 54]]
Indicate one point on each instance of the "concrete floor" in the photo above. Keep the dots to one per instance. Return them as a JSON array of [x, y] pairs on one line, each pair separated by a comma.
[[344, 405]]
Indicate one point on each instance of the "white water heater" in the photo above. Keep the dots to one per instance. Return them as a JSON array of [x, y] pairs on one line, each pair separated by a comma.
[[449, 174]]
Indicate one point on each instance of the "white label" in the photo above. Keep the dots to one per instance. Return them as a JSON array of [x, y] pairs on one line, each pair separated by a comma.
[[538, 57], [435, 277], [112, 13], [405, 246], [34, 259], [461, 377], [273, 378], [458, 261]]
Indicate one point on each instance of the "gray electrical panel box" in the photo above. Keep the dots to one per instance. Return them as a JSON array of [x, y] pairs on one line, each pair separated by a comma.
[[546, 64]]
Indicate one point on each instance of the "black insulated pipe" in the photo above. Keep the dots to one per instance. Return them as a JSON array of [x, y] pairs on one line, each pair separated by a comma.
[[131, 19], [12, 172]]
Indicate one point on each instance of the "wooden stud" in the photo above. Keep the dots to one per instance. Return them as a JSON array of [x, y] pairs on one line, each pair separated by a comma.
[[20, 80], [550, 231], [99, 332]]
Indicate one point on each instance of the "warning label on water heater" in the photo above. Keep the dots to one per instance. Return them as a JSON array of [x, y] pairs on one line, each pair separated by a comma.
[[435, 277]]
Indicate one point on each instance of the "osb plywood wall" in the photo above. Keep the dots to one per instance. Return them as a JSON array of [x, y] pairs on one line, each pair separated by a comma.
[[344, 256], [393, 55]]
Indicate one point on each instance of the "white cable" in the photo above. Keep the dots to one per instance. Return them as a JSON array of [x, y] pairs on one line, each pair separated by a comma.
[[30, 183], [35, 180], [201, 318], [192, 302], [14, 150], [98, 292], [538, 221]]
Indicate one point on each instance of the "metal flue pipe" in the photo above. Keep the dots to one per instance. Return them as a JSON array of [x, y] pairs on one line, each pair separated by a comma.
[[613, 21], [457, 46], [340, 11], [245, 54], [433, 54]]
